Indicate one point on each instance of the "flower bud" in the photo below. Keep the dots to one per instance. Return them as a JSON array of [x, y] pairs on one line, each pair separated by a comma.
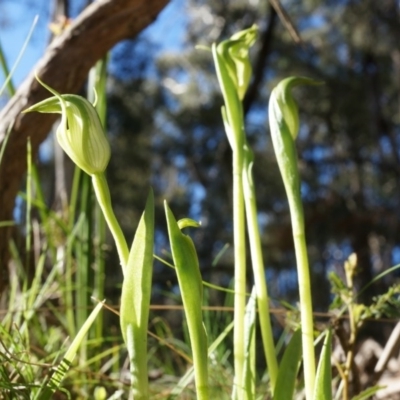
[[80, 133], [284, 125], [236, 55], [283, 104]]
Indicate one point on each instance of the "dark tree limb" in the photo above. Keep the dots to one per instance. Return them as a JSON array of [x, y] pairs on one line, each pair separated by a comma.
[[261, 62], [286, 21], [64, 67]]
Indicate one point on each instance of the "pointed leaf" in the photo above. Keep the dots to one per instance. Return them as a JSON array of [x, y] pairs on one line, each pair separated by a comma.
[[368, 393], [289, 368], [323, 379], [190, 284], [135, 299], [63, 367]]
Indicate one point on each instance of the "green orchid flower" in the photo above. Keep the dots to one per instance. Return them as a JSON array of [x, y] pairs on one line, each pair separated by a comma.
[[82, 137], [284, 124], [236, 54], [80, 133]]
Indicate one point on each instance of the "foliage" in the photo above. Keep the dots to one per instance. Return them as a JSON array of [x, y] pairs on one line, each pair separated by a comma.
[[341, 169]]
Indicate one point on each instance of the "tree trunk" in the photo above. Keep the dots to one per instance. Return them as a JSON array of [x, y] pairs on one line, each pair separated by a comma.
[[64, 67]]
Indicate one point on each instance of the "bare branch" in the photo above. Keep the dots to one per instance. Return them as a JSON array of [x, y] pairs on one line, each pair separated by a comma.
[[286, 21], [64, 66]]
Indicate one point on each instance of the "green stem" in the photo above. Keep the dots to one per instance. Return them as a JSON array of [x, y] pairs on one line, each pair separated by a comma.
[[103, 197], [138, 363], [83, 251], [97, 80], [303, 271], [240, 269], [259, 271], [69, 269], [284, 124], [233, 71], [198, 339], [232, 115], [135, 300]]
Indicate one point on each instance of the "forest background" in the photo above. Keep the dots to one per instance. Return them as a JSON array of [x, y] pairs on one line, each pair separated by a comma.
[[165, 129]]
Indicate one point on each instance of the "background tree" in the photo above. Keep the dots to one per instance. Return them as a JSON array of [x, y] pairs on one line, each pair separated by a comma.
[[65, 67], [166, 130]]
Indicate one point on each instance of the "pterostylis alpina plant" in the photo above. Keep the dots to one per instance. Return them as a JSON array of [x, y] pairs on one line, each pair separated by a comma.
[[82, 137], [231, 58], [284, 124]]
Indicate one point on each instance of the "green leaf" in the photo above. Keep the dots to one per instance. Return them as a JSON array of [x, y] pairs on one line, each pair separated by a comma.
[[135, 299], [288, 369], [190, 284], [187, 223], [186, 379], [323, 380], [368, 393]]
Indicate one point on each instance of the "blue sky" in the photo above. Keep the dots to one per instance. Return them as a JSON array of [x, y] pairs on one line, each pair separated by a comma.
[[15, 23], [16, 18]]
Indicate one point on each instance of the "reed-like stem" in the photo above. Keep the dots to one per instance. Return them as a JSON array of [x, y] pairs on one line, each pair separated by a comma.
[[284, 123], [233, 71], [259, 270], [102, 191], [239, 228], [303, 271]]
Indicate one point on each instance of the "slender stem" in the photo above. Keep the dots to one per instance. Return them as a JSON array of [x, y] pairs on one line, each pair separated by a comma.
[[28, 222], [303, 270], [97, 80], [240, 269], [233, 71], [138, 362], [198, 340], [83, 250], [69, 270], [259, 276], [103, 197], [284, 124]]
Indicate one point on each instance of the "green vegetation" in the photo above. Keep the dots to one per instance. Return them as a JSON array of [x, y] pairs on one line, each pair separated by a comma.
[[55, 343]]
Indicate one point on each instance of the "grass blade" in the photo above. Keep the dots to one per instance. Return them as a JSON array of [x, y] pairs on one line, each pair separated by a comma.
[[368, 393], [288, 369], [323, 379], [8, 83], [60, 372]]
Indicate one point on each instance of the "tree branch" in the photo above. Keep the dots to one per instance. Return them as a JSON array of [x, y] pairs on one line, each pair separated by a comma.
[[261, 62], [64, 67]]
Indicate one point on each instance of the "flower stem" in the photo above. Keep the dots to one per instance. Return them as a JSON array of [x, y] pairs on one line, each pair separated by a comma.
[[240, 269], [103, 197], [303, 270], [258, 269], [284, 123]]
